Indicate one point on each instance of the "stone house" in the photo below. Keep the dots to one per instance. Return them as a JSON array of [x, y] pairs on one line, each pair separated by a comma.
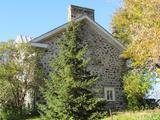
[[104, 51]]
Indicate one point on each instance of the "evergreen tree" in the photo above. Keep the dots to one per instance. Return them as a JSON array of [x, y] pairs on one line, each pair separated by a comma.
[[69, 93]]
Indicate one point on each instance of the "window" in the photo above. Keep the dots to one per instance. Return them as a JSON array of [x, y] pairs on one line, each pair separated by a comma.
[[109, 93]]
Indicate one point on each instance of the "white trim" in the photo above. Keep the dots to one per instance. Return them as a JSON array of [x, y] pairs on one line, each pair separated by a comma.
[[48, 34], [55, 31], [109, 89], [111, 39], [39, 45], [106, 34]]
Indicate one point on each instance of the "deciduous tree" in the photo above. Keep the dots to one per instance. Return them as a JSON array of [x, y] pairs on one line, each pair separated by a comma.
[[137, 25], [19, 72]]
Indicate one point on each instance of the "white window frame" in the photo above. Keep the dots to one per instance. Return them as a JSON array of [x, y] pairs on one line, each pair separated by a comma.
[[109, 89]]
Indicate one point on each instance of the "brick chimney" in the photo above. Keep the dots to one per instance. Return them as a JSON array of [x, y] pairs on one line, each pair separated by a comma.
[[77, 11]]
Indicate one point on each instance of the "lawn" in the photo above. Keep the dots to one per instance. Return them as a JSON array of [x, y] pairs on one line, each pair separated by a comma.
[[138, 115]]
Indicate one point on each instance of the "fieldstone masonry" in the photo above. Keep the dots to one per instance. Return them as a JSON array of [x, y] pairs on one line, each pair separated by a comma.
[[105, 61], [76, 12], [105, 58]]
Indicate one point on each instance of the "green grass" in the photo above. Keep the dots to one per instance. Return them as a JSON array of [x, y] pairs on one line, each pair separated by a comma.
[[138, 115]]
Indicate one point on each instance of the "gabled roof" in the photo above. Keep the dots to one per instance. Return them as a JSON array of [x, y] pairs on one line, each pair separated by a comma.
[[93, 24]]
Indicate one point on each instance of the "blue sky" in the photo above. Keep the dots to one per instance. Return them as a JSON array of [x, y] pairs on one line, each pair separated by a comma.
[[35, 17]]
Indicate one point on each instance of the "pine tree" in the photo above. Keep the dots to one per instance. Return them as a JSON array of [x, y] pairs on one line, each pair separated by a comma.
[[69, 93]]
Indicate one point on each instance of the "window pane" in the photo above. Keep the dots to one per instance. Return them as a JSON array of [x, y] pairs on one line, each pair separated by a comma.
[[111, 95], [107, 95]]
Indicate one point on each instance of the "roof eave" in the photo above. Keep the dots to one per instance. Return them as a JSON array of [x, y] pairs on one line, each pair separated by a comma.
[[39, 45], [96, 25], [55, 31], [108, 35]]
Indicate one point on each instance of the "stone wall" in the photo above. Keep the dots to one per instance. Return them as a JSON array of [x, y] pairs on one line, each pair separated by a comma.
[[105, 62], [77, 11]]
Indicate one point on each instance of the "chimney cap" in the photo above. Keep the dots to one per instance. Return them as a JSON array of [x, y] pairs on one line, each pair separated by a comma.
[[77, 11], [79, 7]]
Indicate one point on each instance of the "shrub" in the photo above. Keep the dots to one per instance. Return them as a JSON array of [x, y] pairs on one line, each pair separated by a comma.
[[136, 85], [12, 113]]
